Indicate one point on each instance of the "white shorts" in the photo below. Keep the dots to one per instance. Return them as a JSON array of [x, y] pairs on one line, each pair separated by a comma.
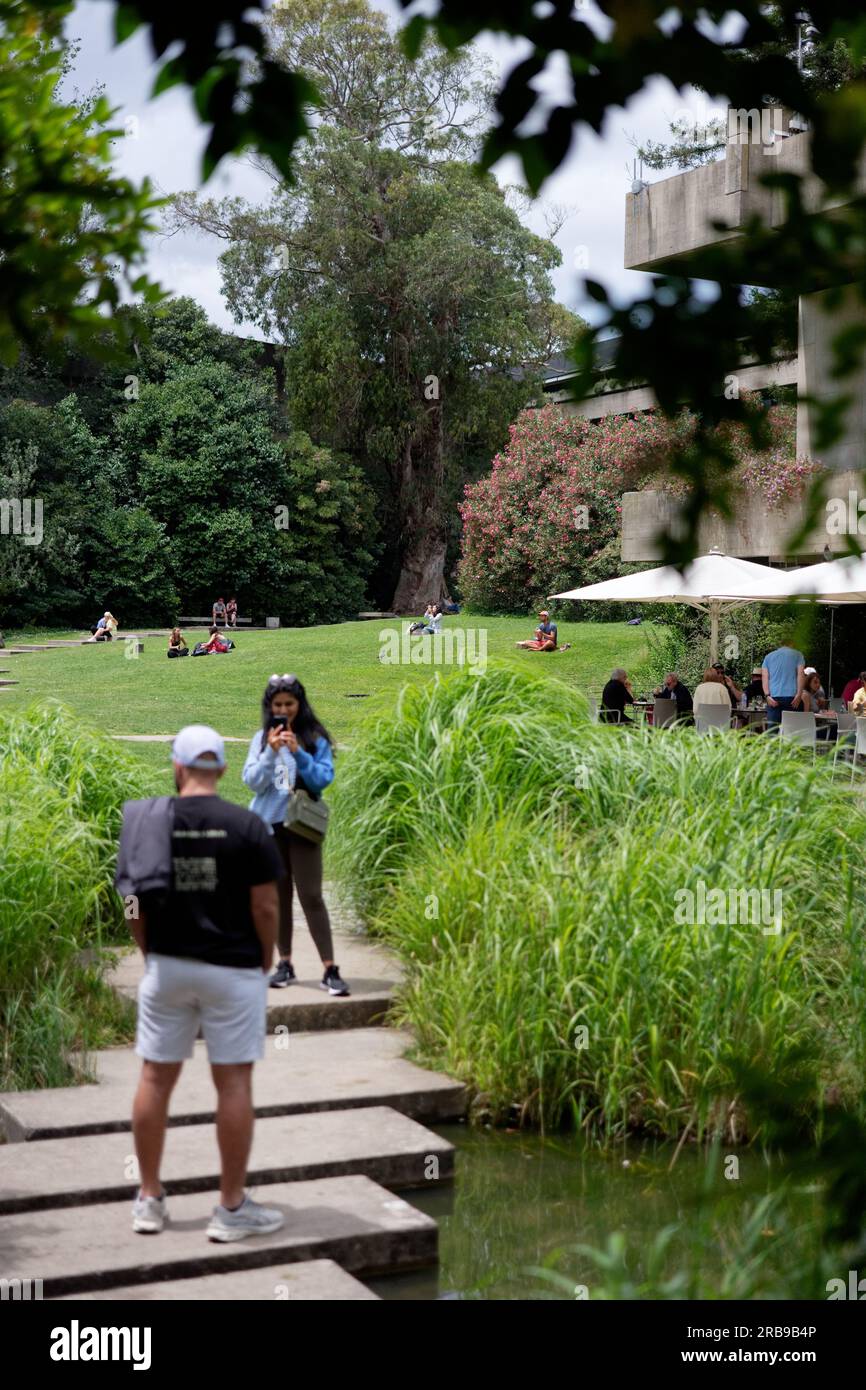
[[178, 996]]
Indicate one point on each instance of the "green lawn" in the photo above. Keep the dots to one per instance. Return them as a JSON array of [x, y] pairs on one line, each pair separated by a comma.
[[152, 695]]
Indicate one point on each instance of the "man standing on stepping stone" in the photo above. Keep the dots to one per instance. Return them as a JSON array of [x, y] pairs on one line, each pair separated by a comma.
[[205, 874]]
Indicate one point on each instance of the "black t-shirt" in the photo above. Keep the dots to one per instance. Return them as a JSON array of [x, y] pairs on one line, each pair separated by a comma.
[[219, 851]]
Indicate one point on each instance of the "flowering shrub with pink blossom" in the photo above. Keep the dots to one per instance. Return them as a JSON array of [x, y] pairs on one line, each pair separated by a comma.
[[552, 499]]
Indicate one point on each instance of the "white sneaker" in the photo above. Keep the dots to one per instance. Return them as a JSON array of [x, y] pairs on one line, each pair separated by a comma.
[[250, 1219], [149, 1214]]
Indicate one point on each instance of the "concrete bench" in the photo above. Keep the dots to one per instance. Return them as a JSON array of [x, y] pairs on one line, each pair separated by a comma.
[[208, 622]]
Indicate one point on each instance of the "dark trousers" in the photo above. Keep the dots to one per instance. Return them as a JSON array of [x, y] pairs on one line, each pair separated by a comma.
[[774, 713], [303, 861]]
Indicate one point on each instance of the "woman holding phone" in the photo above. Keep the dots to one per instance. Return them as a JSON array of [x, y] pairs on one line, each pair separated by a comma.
[[292, 752]]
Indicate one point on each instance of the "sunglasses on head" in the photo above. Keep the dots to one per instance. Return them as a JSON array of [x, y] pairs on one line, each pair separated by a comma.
[[286, 679]]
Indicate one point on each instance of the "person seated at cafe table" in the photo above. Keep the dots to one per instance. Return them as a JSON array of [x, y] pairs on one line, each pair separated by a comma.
[[855, 683], [814, 704], [614, 698], [673, 689], [712, 689], [818, 689], [857, 703], [735, 694], [755, 688]]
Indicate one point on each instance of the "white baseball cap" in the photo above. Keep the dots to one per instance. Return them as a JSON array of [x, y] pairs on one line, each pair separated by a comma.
[[193, 741], [809, 671]]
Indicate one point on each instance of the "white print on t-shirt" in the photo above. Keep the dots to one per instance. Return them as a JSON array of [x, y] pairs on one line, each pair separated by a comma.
[[199, 834], [195, 875]]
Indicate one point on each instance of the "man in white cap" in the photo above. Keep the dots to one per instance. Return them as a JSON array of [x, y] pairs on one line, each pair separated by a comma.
[[208, 939]]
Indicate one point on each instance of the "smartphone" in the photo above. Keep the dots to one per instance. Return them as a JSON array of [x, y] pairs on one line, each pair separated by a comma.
[[278, 721]]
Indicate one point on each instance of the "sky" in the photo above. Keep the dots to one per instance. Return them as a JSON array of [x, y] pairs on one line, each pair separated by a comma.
[[165, 143]]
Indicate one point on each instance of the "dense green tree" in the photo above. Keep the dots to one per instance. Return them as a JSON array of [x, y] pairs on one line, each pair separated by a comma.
[[71, 231], [244, 507], [408, 293], [192, 482]]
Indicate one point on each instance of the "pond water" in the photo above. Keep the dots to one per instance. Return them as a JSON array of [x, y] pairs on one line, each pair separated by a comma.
[[518, 1197]]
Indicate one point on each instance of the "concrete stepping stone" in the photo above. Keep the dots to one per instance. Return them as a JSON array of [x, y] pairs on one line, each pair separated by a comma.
[[351, 1220], [377, 1141], [315, 1281], [300, 1072], [372, 974]]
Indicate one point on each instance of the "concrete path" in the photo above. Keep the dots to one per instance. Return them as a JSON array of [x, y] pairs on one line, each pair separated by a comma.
[[339, 1130], [318, 1281], [337, 1070], [371, 973], [352, 1220], [376, 1141], [167, 738]]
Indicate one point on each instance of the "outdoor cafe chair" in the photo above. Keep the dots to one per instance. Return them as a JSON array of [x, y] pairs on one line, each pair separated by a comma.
[[846, 738], [837, 704], [711, 717], [593, 709], [664, 712], [860, 742], [799, 727]]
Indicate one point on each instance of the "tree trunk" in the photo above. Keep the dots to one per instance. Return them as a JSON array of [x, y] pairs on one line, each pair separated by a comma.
[[421, 475], [422, 576]]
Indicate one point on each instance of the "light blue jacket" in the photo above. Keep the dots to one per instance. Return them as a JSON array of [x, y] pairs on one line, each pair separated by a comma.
[[271, 786]]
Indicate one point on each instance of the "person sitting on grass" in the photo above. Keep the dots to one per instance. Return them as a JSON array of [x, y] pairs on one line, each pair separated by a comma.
[[104, 630], [177, 643], [215, 643], [545, 635], [431, 622]]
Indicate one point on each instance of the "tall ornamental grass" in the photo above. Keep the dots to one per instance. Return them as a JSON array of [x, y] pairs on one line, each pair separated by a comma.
[[61, 791], [529, 867]]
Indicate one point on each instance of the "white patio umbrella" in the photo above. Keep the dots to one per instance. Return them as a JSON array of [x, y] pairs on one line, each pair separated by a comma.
[[714, 583], [831, 583], [836, 581]]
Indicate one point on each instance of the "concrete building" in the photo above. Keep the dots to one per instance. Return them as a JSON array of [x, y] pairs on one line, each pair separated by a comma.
[[667, 224]]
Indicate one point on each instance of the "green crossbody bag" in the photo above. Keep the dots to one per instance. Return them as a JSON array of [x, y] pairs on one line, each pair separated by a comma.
[[306, 817]]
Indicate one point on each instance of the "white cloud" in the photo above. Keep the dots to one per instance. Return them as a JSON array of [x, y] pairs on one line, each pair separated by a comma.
[[168, 143]]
